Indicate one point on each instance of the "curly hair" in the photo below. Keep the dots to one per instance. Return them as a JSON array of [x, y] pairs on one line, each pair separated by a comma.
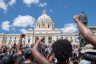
[[62, 49]]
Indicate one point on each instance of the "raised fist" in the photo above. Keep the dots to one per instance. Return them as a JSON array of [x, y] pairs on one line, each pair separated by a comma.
[[76, 18], [41, 39], [22, 35]]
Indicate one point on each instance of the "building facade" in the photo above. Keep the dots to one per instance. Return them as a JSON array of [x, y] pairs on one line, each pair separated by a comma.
[[44, 27]]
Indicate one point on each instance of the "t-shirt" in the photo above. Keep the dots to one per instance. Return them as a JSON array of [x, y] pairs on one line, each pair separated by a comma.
[[84, 62]]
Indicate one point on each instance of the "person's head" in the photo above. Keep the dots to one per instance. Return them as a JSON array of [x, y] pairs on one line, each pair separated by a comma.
[[28, 54], [76, 62], [62, 49]]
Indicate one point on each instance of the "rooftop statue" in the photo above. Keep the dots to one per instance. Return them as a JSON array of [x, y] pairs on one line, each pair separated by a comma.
[[83, 18]]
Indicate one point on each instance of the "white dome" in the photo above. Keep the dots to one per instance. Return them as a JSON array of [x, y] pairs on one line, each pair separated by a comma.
[[44, 17]]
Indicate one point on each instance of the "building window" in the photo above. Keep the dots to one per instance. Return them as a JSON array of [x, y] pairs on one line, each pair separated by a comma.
[[29, 39], [48, 26], [15, 38], [6, 37], [50, 39], [39, 26], [66, 37], [10, 41], [61, 37]]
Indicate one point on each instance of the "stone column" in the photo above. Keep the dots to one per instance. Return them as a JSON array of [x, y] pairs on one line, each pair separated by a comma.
[[46, 39], [33, 41]]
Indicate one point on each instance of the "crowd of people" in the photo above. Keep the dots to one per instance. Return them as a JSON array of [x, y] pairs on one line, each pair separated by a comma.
[[60, 52]]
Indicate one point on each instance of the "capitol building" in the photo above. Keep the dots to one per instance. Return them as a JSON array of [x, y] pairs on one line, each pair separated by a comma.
[[43, 27]]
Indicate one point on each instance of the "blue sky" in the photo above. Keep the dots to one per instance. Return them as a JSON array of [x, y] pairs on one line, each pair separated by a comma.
[[61, 12]]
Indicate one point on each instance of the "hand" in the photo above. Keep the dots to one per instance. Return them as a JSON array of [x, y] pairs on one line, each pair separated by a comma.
[[38, 42], [41, 39], [22, 35], [76, 18]]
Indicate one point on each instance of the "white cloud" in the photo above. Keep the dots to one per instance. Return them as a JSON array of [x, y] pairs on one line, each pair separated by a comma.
[[24, 21], [29, 2], [3, 5], [12, 2], [5, 26], [23, 31], [69, 28], [43, 4]]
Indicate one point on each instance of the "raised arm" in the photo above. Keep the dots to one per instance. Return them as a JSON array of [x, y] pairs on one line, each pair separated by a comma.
[[37, 55], [85, 32], [19, 45]]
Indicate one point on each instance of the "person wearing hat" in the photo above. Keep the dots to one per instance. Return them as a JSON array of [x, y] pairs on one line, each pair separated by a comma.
[[84, 54], [88, 55]]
